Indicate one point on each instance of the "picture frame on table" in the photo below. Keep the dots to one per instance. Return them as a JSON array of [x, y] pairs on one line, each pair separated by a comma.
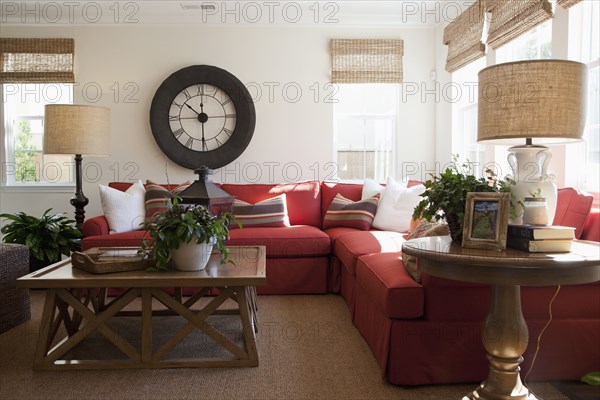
[[486, 220]]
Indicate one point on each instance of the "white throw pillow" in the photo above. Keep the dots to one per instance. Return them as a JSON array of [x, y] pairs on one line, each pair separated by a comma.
[[396, 206], [124, 211], [371, 188]]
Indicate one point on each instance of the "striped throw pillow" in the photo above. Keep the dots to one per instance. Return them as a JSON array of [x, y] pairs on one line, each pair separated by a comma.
[[157, 197], [266, 213], [351, 214]]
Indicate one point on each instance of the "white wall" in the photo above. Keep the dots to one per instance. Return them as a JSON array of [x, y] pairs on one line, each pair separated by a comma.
[[295, 136]]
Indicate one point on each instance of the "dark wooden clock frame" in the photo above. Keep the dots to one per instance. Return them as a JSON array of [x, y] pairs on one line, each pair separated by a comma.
[[194, 75]]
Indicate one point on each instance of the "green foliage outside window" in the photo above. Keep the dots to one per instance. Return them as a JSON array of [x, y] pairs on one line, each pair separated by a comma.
[[25, 154]]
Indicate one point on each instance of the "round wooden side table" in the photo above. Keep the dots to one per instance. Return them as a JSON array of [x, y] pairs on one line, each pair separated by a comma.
[[505, 332]]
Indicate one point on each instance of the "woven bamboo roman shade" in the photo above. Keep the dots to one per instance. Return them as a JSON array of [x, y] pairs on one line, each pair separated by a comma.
[[36, 60], [512, 18], [366, 60], [464, 37], [567, 3]]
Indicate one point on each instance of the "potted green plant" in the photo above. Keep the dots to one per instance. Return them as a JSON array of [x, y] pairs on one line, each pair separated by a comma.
[[48, 237], [185, 235], [445, 195]]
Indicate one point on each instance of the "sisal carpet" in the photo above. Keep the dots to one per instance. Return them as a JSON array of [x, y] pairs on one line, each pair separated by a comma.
[[307, 345]]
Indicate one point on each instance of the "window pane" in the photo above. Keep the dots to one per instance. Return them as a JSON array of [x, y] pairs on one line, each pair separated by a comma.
[[357, 99], [58, 168], [533, 45], [584, 36], [464, 115], [350, 134], [584, 46], [591, 135], [365, 129], [24, 112]]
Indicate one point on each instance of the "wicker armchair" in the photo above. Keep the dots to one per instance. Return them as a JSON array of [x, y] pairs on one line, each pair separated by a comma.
[[15, 303]]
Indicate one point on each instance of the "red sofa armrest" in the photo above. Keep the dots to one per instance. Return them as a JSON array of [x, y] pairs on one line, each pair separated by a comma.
[[591, 229], [95, 226]]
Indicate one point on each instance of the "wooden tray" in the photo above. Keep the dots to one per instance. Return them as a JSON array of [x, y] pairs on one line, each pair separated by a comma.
[[105, 260]]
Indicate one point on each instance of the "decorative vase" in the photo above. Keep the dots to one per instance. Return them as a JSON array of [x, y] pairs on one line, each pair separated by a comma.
[[529, 165], [192, 256], [454, 226]]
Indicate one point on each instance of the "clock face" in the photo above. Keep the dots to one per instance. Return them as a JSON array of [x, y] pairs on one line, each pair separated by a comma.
[[202, 116]]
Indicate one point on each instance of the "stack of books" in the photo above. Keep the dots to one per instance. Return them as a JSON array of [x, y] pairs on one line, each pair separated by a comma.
[[540, 238]]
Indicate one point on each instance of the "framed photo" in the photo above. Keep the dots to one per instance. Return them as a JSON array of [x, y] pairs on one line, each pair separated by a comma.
[[486, 220]]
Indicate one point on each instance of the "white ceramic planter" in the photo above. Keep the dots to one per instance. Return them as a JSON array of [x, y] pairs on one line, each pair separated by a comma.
[[192, 256]]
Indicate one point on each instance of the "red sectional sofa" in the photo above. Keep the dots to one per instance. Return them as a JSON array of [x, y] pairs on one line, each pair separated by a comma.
[[424, 332]]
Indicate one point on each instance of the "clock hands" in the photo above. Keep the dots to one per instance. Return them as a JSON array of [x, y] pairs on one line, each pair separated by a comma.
[[191, 108], [202, 118]]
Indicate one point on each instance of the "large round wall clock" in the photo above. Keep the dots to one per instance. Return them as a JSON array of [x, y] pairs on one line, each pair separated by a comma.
[[202, 116]]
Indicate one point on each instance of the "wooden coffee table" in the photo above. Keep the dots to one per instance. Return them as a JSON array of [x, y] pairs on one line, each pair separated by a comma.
[[76, 301]]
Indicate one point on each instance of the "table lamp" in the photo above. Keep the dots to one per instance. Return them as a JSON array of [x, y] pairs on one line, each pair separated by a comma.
[[540, 101], [79, 130]]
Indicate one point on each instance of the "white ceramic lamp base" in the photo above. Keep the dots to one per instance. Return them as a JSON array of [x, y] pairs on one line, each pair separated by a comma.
[[529, 164]]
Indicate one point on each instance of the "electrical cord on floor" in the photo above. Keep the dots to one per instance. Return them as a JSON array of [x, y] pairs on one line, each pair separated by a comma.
[[539, 339]]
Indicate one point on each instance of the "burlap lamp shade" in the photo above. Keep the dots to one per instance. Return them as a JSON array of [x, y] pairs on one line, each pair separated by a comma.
[[542, 99], [77, 129]]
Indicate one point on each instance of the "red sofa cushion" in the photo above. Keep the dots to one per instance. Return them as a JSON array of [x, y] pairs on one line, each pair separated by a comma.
[[349, 246], [303, 198], [572, 209], [385, 279], [132, 238], [95, 226], [294, 241], [591, 230], [334, 233]]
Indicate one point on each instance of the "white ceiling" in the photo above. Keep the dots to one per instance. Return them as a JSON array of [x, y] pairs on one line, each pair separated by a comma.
[[426, 13]]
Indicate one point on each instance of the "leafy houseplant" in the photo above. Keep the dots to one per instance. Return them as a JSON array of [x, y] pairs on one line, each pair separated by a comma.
[[445, 195], [178, 225], [47, 237]]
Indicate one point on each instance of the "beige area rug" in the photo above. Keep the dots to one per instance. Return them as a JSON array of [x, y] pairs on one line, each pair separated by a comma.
[[308, 349]]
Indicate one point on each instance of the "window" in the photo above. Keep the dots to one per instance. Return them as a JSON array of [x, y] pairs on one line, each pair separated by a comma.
[[584, 46], [365, 121], [24, 162], [464, 116]]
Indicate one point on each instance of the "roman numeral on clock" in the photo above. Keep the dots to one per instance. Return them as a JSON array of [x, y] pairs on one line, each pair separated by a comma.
[[189, 143], [178, 132]]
